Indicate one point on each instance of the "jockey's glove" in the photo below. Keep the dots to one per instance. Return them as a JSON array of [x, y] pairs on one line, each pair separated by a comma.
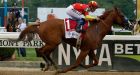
[[91, 18]]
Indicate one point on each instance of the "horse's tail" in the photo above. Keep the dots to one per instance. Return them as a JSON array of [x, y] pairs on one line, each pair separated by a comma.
[[28, 33]]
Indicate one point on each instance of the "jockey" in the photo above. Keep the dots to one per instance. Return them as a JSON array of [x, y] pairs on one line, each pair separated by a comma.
[[80, 12]]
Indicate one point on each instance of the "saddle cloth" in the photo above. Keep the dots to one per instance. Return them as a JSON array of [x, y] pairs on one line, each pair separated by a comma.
[[70, 26]]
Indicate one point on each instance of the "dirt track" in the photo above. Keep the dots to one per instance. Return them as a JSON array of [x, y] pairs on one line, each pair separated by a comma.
[[31, 71]]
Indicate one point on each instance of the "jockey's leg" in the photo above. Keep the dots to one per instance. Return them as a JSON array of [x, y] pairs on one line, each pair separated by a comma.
[[80, 24]]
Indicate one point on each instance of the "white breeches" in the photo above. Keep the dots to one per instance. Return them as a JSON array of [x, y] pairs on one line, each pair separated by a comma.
[[74, 13]]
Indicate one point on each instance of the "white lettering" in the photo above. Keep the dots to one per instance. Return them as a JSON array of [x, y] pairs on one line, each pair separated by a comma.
[[105, 49], [138, 48], [118, 49], [128, 50], [62, 53]]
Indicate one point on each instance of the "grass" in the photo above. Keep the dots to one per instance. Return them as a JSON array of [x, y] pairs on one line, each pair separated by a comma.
[[30, 55], [136, 57]]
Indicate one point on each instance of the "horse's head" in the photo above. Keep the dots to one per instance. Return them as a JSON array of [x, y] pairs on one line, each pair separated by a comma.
[[12, 22], [11, 16], [120, 18]]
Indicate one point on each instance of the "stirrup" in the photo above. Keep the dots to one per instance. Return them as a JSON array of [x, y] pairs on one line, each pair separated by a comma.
[[78, 43], [80, 31]]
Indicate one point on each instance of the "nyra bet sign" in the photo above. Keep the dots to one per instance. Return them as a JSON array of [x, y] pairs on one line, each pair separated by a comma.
[[65, 55]]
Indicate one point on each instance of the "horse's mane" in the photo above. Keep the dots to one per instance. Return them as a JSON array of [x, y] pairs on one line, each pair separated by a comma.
[[105, 14]]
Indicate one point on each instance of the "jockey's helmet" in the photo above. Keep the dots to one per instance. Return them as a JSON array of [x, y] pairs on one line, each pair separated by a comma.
[[93, 4]]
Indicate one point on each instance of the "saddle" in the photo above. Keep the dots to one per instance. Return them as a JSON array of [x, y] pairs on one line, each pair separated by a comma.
[[70, 30]]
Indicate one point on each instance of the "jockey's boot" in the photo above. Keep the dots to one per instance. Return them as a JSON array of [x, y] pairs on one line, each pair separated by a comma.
[[79, 25], [78, 28]]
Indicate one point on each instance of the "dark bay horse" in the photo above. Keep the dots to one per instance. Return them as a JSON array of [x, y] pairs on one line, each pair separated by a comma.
[[12, 22], [52, 33]]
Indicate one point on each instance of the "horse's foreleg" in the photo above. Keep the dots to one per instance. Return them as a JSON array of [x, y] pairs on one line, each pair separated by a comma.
[[80, 58], [93, 57]]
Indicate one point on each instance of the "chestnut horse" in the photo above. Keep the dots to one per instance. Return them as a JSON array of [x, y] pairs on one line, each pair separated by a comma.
[[52, 33]]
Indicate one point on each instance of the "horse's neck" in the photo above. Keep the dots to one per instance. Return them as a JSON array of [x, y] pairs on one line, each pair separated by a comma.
[[108, 21], [106, 24]]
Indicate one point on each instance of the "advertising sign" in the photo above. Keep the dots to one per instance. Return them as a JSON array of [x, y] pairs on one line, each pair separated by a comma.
[[121, 53]]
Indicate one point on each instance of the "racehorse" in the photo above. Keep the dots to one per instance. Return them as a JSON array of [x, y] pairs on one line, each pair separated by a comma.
[[52, 33], [12, 22]]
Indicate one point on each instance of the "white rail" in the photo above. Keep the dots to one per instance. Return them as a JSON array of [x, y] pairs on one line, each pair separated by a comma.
[[37, 43], [6, 35]]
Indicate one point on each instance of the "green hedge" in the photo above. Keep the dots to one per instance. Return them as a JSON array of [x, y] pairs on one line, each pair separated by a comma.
[[6, 53]]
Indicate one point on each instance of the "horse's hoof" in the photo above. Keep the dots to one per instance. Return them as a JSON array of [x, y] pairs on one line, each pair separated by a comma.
[[61, 71], [41, 69], [56, 72], [55, 67], [46, 69], [42, 66], [51, 68]]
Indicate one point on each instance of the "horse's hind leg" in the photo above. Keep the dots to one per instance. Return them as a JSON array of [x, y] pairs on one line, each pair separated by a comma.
[[45, 53], [51, 61], [80, 58], [42, 54], [47, 63], [93, 57]]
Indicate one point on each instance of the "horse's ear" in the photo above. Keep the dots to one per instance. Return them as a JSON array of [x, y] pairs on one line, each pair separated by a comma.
[[115, 7]]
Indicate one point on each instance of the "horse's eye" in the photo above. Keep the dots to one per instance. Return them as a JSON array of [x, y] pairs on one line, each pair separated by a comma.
[[122, 15]]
